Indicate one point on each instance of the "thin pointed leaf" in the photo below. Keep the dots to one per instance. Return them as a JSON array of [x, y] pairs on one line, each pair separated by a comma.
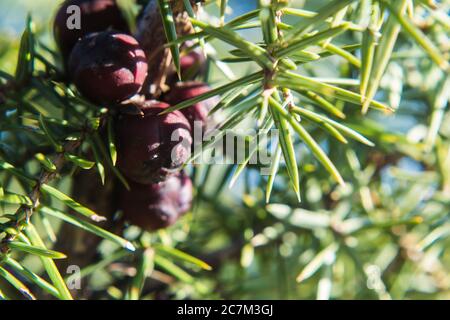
[[367, 56], [299, 12], [223, 9], [346, 130], [49, 135], [383, 53], [441, 99], [273, 172], [243, 18], [259, 139], [301, 55], [263, 110], [258, 76], [14, 198], [317, 151], [333, 131], [343, 53], [16, 283], [25, 62], [36, 250], [49, 264], [323, 13], [79, 223], [190, 10], [323, 103], [230, 123], [310, 142], [369, 42], [287, 63], [227, 35], [287, 147], [173, 269], [98, 162], [237, 23], [268, 23], [80, 162], [240, 111], [101, 147], [170, 31], [182, 256], [111, 141], [338, 81], [230, 98], [46, 162], [348, 48], [310, 40], [23, 238], [31, 276], [143, 271], [300, 83], [68, 201], [318, 261], [305, 56], [48, 227]]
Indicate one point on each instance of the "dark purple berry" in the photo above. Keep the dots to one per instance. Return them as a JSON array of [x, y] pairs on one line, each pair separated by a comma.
[[108, 67], [198, 112], [157, 205], [152, 147]]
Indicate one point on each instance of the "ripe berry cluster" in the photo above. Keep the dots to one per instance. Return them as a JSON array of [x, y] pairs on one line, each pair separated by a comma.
[[108, 67]]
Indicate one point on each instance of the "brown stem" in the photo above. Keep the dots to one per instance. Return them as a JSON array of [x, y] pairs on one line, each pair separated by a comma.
[[35, 194]]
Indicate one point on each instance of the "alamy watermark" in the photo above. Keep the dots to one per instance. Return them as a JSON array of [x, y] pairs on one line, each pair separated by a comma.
[[74, 280], [73, 22]]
